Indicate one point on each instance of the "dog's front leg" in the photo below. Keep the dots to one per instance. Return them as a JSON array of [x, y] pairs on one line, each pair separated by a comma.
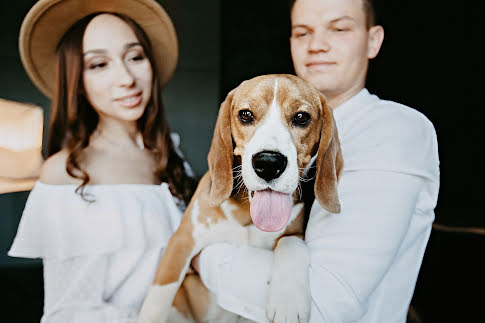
[[289, 290], [170, 274]]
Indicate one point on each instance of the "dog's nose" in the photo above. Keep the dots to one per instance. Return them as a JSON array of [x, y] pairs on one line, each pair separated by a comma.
[[269, 164]]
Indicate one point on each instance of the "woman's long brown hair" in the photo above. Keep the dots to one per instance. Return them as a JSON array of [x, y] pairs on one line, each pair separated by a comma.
[[73, 119]]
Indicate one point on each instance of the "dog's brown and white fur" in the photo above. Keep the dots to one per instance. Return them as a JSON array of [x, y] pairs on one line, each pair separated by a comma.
[[279, 107]]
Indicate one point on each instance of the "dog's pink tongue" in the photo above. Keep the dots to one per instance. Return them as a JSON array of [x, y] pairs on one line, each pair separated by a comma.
[[270, 210]]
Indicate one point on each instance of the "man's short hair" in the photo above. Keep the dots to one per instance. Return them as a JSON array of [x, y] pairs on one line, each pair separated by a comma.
[[369, 10]]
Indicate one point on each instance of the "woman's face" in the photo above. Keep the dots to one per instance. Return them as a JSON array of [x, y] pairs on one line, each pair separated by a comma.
[[117, 75]]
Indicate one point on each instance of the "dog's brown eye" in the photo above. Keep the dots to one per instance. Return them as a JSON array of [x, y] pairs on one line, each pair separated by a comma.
[[301, 119], [246, 116]]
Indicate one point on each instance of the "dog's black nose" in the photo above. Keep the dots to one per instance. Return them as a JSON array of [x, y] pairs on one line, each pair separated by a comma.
[[269, 164]]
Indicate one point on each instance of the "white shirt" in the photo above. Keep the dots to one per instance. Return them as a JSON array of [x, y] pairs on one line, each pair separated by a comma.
[[364, 262], [99, 258]]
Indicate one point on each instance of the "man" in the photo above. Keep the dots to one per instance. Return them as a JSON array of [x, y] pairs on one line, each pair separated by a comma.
[[364, 261]]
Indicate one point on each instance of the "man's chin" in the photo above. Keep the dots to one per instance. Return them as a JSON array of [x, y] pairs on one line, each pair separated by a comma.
[[323, 83]]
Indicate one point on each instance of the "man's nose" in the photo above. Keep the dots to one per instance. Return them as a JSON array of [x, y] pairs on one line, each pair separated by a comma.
[[319, 42]]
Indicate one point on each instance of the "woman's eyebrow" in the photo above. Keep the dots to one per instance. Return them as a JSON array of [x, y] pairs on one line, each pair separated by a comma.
[[94, 51], [130, 45], [103, 51]]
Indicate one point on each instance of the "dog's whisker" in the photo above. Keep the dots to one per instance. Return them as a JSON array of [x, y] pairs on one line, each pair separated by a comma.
[[246, 198], [239, 185], [238, 178], [305, 180], [239, 182]]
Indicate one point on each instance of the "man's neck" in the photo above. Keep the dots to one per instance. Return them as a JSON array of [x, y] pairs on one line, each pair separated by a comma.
[[334, 101]]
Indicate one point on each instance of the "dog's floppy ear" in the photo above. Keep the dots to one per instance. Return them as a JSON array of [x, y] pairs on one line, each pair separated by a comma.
[[329, 162], [220, 156]]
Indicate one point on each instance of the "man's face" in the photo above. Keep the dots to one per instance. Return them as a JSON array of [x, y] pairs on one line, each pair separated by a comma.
[[331, 45]]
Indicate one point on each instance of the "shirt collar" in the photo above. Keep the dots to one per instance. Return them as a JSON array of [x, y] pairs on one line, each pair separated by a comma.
[[363, 97]]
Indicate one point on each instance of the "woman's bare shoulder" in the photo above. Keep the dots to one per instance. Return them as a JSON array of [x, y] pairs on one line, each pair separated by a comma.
[[54, 172]]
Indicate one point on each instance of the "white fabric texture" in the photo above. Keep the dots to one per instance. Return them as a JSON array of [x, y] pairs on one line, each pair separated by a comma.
[[364, 261], [99, 258]]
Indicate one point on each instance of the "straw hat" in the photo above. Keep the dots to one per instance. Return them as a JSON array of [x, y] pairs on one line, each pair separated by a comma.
[[48, 21]]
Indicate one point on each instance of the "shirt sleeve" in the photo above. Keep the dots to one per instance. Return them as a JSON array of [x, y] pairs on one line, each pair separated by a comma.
[[74, 292], [351, 252]]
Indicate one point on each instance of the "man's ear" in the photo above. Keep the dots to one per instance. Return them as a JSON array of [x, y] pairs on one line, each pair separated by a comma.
[[374, 41]]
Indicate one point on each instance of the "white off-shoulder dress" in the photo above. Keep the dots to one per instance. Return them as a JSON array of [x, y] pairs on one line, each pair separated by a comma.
[[99, 258]]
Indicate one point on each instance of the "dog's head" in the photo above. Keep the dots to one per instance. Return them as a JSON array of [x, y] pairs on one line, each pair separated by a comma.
[[276, 124]]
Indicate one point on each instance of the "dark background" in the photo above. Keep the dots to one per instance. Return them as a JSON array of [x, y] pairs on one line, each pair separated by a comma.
[[431, 61]]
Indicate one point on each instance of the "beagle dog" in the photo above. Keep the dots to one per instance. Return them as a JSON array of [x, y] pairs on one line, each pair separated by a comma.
[[267, 131]]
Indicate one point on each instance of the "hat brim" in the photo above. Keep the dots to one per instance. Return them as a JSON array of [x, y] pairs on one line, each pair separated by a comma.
[[48, 21]]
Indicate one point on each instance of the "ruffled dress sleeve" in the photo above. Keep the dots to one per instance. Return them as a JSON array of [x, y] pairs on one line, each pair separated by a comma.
[[99, 258], [57, 224]]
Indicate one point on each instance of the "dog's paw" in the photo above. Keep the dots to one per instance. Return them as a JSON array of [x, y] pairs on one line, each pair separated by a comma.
[[157, 304], [288, 304], [289, 296]]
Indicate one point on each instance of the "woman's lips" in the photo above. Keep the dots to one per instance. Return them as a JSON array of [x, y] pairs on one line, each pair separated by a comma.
[[130, 101]]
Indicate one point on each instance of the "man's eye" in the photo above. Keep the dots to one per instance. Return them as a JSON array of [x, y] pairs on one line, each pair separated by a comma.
[[300, 34], [301, 119], [246, 116], [341, 29]]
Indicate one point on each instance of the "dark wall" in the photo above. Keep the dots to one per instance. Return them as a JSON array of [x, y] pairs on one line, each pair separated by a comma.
[[429, 62], [255, 41]]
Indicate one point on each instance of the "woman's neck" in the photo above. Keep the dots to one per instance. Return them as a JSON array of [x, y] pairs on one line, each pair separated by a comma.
[[117, 134]]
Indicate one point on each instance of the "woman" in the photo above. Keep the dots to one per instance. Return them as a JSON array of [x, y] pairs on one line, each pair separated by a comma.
[[105, 204]]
